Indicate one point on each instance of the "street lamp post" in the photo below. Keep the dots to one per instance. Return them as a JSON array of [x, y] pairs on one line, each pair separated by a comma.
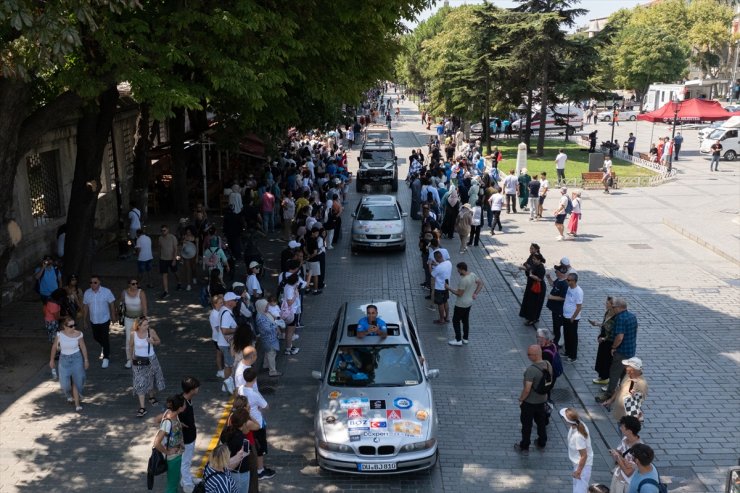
[[522, 108], [614, 115], [676, 109]]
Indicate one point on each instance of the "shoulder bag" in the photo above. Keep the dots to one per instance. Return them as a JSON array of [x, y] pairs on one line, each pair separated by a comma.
[[143, 361]]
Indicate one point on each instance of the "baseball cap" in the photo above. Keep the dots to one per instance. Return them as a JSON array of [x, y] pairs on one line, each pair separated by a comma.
[[252, 265], [565, 261], [634, 362], [294, 244], [231, 296]]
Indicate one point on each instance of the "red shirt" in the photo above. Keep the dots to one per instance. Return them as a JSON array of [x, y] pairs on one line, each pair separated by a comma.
[[268, 202]]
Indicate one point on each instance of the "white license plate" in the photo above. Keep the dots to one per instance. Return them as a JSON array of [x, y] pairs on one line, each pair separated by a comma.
[[377, 245], [382, 466]]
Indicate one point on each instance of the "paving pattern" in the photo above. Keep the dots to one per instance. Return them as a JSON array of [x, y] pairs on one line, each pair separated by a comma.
[[686, 298]]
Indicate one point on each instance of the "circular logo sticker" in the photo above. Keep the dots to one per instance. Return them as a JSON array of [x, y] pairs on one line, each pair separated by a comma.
[[334, 394], [403, 403], [331, 419], [422, 415]]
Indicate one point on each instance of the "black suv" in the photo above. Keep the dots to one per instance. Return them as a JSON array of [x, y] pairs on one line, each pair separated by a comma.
[[378, 164]]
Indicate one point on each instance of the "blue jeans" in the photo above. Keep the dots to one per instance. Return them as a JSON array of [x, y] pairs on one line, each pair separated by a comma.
[[714, 163], [268, 221], [242, 481]]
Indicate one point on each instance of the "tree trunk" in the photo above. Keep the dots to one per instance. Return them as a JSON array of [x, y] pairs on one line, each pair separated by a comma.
[[544, 94], [93, 130], [487, 114], [528, 117], [179, 185], [20, 129], [140, 185]]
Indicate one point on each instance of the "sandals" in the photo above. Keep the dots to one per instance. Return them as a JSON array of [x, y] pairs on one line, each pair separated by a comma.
[[153, 400], [141, 412]]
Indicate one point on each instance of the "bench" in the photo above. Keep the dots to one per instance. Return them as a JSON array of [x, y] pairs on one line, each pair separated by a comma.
[[592, 179]]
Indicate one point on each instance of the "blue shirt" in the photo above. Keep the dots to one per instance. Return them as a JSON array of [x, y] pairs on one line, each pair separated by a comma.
[[363, 325], [626, 323], [49, 281], [646, 488]]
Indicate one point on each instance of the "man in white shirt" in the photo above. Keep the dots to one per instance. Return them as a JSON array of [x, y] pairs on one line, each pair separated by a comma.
[[257, 404], [571, 315], [134, 221], [227, 327], [497, 203], [441, 272], [248, 358], [144, 256], [560, 160], [98, 309], [511, 182]]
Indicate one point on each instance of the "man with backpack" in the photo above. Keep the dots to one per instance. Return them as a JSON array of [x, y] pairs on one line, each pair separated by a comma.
[[646, 478], [532, 401], [48, 278]]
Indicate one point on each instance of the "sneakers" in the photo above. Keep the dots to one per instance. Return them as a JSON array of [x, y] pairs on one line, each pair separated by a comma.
[[600, 381], [220, 374], [78, 408], [291, 351], [276, 374], [604, 388], [453, 342], [70, 400], [465, 341], [295, 337], [128, 364], [559, 238], [105, 363], [266, 474], [523, 451], [54, 374]]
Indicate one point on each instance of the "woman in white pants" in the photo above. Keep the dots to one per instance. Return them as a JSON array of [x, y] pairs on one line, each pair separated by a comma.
[[580, 452]]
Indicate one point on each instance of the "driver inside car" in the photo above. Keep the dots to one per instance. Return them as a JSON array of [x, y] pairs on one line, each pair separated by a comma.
[[372, 325]]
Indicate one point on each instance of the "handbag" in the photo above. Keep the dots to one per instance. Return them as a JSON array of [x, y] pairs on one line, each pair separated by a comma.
[[121, 313], [536, 287], [633, 403], [286, 312]]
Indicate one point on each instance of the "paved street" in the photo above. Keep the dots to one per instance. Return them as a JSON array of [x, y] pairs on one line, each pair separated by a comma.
[[686, 296]]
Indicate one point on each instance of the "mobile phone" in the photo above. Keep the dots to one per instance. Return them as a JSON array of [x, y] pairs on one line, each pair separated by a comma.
[[245, 445]]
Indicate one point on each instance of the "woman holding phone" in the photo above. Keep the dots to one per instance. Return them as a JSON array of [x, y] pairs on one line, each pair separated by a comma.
[[234, 437]]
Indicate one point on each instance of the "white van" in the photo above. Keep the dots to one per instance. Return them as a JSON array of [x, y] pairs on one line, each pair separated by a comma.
[[557, 118], [727, 135]]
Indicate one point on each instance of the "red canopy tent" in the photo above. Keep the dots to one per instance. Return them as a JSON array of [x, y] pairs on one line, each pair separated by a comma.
[[690, 110]]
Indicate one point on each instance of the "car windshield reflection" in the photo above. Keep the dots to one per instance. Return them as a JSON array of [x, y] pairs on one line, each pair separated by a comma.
[[378, 213], [375, 366]]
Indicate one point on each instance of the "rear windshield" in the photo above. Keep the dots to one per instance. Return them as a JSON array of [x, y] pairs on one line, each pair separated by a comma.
[[378, 213], [380, 155]]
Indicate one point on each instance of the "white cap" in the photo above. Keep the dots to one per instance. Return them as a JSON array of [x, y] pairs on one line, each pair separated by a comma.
[[294, 244], [230, 296], [252, 265], [634, 362], [565, 261]]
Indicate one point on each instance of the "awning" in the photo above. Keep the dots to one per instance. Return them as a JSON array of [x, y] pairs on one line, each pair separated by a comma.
[[689, 110]]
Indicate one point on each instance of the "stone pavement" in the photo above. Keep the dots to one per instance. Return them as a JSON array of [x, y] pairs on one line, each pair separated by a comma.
[[685, 297]]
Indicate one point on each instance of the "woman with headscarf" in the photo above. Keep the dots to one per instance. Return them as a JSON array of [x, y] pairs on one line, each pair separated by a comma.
[[524, 180], [268, 331], [463, 224], [534, 293], [451, 208]]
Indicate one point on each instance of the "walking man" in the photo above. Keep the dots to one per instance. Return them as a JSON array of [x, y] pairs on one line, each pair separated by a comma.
[[534, 198], [98, 309], [531, 403], [677, 141], [571, 315], [631, 144], [467, 291], [167, 259], [544, 187], [560, 160]]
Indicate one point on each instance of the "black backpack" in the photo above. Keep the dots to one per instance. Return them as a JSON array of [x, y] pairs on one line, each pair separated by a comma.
[[544, 385], [662, 487]]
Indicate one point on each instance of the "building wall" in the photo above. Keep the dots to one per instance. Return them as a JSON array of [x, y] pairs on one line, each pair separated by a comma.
[[49, 169]]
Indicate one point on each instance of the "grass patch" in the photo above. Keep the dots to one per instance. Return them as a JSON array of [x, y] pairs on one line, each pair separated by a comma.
[[577, 160]]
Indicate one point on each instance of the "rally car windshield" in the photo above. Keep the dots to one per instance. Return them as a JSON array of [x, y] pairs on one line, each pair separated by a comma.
[[375, 366]]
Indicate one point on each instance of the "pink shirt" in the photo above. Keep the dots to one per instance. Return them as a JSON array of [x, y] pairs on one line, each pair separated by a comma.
[[268, 202]]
